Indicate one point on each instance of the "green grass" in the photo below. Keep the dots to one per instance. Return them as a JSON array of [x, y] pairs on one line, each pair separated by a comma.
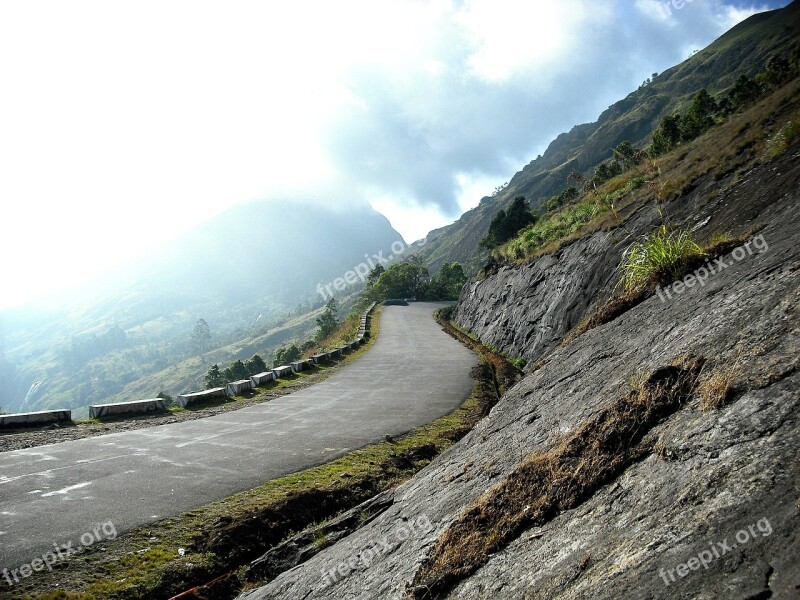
[[549, 228], [659, 258], [752, 137]]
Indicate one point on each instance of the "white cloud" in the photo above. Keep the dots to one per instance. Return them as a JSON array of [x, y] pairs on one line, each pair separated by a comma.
[[123, 124], [509, 36], [732, 15]]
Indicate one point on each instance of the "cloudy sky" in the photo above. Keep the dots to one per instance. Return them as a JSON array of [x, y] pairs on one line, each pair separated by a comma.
[[124, 124]]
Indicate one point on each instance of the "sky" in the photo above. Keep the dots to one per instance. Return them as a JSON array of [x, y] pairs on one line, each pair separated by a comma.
[[123, 125]]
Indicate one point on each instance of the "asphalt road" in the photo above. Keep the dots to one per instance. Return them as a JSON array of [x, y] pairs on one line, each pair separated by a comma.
[[54, 494]]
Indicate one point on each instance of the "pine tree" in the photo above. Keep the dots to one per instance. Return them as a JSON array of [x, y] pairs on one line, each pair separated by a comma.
[[214, 378], [328, 321], [255, 365]]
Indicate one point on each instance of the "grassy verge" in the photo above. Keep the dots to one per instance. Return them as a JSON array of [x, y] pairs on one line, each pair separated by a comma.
[[220, 538], [506, 371], [546, 484], [755, 136]]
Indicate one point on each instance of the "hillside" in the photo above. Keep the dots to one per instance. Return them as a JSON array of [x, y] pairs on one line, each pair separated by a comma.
[[745, 49], [251, 274], [637, 443]]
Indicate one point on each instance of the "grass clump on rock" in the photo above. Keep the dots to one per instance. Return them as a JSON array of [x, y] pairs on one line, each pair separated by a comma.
[[659, 258]]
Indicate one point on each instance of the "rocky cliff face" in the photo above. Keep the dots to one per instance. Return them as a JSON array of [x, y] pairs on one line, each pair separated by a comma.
[[708, 507]]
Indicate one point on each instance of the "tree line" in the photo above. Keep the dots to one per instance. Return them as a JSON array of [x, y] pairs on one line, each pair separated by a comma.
[[411, 280]]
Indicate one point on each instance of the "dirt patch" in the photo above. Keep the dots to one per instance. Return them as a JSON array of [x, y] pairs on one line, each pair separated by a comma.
[[610, 310], [544, 485]]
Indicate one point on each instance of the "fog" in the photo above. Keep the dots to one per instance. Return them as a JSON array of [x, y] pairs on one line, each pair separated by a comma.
[[126, 125]]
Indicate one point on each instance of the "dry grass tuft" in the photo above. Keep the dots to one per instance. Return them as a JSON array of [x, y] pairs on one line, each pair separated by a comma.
[[716, 389], [546, 484]]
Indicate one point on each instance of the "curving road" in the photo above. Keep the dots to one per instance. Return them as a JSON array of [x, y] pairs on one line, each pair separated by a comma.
[[53, 494]]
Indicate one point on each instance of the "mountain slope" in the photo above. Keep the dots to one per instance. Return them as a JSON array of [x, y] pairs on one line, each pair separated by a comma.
[[629, 452], [241, 272], [745, 49]]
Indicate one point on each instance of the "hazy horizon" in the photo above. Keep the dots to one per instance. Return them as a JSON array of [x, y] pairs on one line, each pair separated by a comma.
[[125, 126]]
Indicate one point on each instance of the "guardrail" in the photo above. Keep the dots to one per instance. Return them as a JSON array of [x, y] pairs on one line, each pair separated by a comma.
[[282, 371], [300, 365], [237, 388], [262, 378], [319, 359], [195, 397], [36, 418], [233, 388], [136, 407]]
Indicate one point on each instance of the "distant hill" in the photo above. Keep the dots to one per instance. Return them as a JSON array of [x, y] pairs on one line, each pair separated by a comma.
[[244, 272], [745, 49], [268, 249]]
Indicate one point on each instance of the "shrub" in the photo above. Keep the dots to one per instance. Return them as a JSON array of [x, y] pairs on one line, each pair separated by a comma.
[[658, 259], [505, 225], [549, 228]]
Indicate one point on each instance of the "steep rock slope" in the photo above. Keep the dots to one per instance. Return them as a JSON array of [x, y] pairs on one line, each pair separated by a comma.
[[526, 310], [721, 479]]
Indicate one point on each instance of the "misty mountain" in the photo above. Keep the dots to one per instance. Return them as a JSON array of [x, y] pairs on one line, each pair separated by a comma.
[[744, 49], [268, 250], [242, 272]]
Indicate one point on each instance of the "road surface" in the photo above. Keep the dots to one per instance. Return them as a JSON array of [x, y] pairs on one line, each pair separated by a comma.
[[413, 374]]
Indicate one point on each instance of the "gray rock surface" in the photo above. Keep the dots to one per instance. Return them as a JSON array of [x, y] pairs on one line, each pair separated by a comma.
[[525, 311], [716, 473]]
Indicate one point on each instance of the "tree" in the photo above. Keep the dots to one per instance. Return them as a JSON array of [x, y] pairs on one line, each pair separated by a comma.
[[626, 155], [403, 280], [328, 321], [666, 136], [744, 92], [255, 365], [506, 224], [778, 71], [375, 274], [236, 372], [286, 355], [601, 174], [699, 118], [201, 336], [497, 224], [448, 282], [214, 378], [166, 397]]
